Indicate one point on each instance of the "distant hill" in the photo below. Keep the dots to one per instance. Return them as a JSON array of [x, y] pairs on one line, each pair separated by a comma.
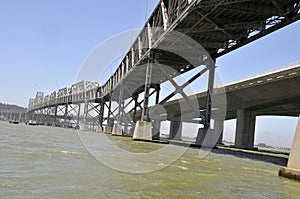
[[11, 107]]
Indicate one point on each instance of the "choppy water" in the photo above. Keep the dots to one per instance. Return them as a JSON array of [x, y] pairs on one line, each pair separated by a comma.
[[46, 162]]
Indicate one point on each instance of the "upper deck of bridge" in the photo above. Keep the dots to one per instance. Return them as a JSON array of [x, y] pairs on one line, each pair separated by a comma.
[[219, 26]]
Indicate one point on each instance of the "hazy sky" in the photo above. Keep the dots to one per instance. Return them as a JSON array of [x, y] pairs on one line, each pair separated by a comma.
[[44, 42]]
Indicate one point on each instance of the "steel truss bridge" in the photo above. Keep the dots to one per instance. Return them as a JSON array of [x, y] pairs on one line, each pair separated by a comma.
[[216, 26]]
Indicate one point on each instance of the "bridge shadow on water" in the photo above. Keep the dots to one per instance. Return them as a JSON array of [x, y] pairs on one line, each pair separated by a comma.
[[270, 157], [274, 157]]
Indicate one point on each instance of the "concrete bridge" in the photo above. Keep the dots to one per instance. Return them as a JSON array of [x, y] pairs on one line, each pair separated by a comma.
[[274, 93], [180, 36]]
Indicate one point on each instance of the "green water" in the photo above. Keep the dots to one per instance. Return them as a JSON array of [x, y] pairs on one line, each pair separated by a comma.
[[46, 162]]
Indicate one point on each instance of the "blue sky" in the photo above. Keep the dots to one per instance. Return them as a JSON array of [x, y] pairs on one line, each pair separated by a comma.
[[43, 44]]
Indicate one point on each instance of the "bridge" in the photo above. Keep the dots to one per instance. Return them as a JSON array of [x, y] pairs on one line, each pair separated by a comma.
[[180, 37], [13, 115], [274, 93]]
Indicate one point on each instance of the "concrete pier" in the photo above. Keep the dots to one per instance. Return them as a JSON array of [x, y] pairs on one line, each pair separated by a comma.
[[117, 130], [107, 129], [207, 138], [175, 130], [245, 129], [219, 127], [292, 170], [99, 129], [142, 131]]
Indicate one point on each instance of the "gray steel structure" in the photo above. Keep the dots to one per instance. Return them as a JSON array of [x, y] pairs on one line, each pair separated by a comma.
[[220, 26]]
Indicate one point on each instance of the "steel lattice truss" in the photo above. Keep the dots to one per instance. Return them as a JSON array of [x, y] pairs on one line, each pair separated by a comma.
[[219, 26]]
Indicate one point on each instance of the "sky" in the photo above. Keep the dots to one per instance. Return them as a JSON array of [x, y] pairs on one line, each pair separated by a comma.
[[43, 44]]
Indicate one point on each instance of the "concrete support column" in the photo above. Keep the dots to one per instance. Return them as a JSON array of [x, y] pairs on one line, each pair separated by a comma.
[[117, 129], [142, 131], [175, 130], [219, 127], [292, 170], [210, 137], [156, 130], [245, 128]]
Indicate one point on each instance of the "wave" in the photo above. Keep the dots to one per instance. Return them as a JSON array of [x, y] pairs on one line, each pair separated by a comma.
[[68, 152]]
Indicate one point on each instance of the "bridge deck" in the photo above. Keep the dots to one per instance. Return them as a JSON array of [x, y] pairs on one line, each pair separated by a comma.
[[275, 93], [220, 26]]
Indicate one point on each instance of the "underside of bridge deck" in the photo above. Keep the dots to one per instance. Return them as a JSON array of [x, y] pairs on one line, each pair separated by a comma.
[[179, 36]]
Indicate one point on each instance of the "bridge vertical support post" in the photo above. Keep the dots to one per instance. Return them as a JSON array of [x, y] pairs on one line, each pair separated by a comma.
[[202, 132], [65, 116], [219, 125], [143, 128], [145, 111], [292, 170], [107, 128], [134, 118], [117, 128], [55, 116], [85, 113], [48, 116], [211, 80], [156, 123], [101, 115], [135, 98], [245, 129], [78, 117], [44, 116], [38, 117], [175, 130], [32, 116]]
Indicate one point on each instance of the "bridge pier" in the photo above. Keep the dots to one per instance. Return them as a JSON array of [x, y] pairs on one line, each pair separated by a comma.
[[55, 116], [110, 122], [65, 116], [78, 117], [117, 128], [101, 115], [245, 129], [142, 131], [175, 130], [210, 137], [156, 123], [219, 126], [143, 128], [292, 170]]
